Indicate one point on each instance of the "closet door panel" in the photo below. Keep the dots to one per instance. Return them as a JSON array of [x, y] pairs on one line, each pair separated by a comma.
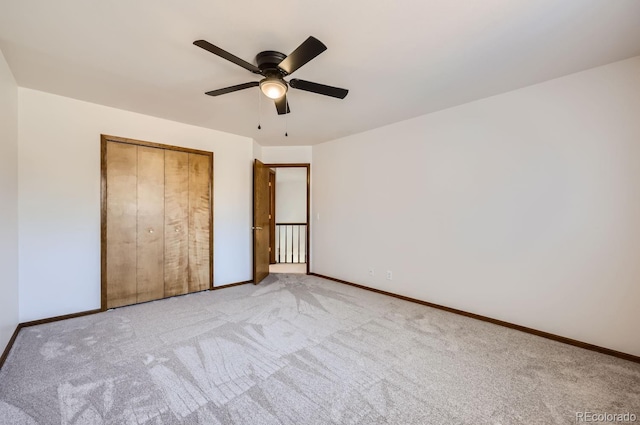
[[121, 211], [150, 249], [199, 221], [176, 223]]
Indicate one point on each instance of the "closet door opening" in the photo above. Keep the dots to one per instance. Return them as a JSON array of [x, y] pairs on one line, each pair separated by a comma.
[[157, 221]]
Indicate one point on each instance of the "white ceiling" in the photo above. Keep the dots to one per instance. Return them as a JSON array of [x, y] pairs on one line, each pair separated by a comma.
[[399, 59]]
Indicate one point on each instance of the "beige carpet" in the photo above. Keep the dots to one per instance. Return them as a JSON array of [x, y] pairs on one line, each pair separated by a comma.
[[301, 350]]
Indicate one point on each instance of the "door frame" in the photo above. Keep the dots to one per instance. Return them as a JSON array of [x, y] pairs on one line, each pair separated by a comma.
[[272, 216], [104, 139], [308, 167]]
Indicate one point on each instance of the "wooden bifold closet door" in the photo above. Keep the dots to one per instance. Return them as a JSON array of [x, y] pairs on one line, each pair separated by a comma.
[[157, 221]]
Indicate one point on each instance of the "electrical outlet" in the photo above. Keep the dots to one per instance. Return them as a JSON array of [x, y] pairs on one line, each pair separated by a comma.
[[371, 272], [389, 275]]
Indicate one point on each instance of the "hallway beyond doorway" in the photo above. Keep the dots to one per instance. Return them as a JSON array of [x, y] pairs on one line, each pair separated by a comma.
[[288, 268]]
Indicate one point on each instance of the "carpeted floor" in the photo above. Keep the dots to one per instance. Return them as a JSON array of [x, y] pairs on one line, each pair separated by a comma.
[[301, 350]]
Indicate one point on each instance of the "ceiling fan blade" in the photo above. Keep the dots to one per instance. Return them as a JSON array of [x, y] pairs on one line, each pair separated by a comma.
[[233, 88], [226, 55], [308, 50], [282, 105], [318, 88]]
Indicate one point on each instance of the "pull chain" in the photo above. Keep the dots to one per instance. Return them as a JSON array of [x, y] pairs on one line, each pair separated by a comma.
[[259, 110], [286, 116]]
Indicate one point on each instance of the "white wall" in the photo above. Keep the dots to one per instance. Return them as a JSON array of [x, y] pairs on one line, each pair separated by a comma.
[[59, 197], [286, 154], [257, 150], [291, 195], [8, 203], [523, 207]]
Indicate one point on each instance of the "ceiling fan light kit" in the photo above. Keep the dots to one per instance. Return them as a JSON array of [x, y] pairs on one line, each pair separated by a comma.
[[274, 67], [273, 88]]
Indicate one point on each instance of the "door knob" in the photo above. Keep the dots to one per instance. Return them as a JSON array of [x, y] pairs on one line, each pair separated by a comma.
[[257, 228]]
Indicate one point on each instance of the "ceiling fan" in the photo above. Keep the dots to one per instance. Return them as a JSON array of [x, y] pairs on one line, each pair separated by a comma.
[[274, 66]]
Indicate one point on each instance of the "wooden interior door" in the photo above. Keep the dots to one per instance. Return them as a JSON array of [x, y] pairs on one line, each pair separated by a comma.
[[176, 223], [200, 228], [150, 228], [120, 253], [260, 222]]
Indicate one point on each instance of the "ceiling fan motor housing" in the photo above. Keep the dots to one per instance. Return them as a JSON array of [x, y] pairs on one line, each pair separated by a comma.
[[268, 62]]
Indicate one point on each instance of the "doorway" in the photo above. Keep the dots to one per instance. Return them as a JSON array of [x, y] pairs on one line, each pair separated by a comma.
[[285, 188], [289, 220]]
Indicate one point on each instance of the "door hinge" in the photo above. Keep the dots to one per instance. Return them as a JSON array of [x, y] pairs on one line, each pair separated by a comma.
[[269, 216], [269, 183], [269, 249]]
